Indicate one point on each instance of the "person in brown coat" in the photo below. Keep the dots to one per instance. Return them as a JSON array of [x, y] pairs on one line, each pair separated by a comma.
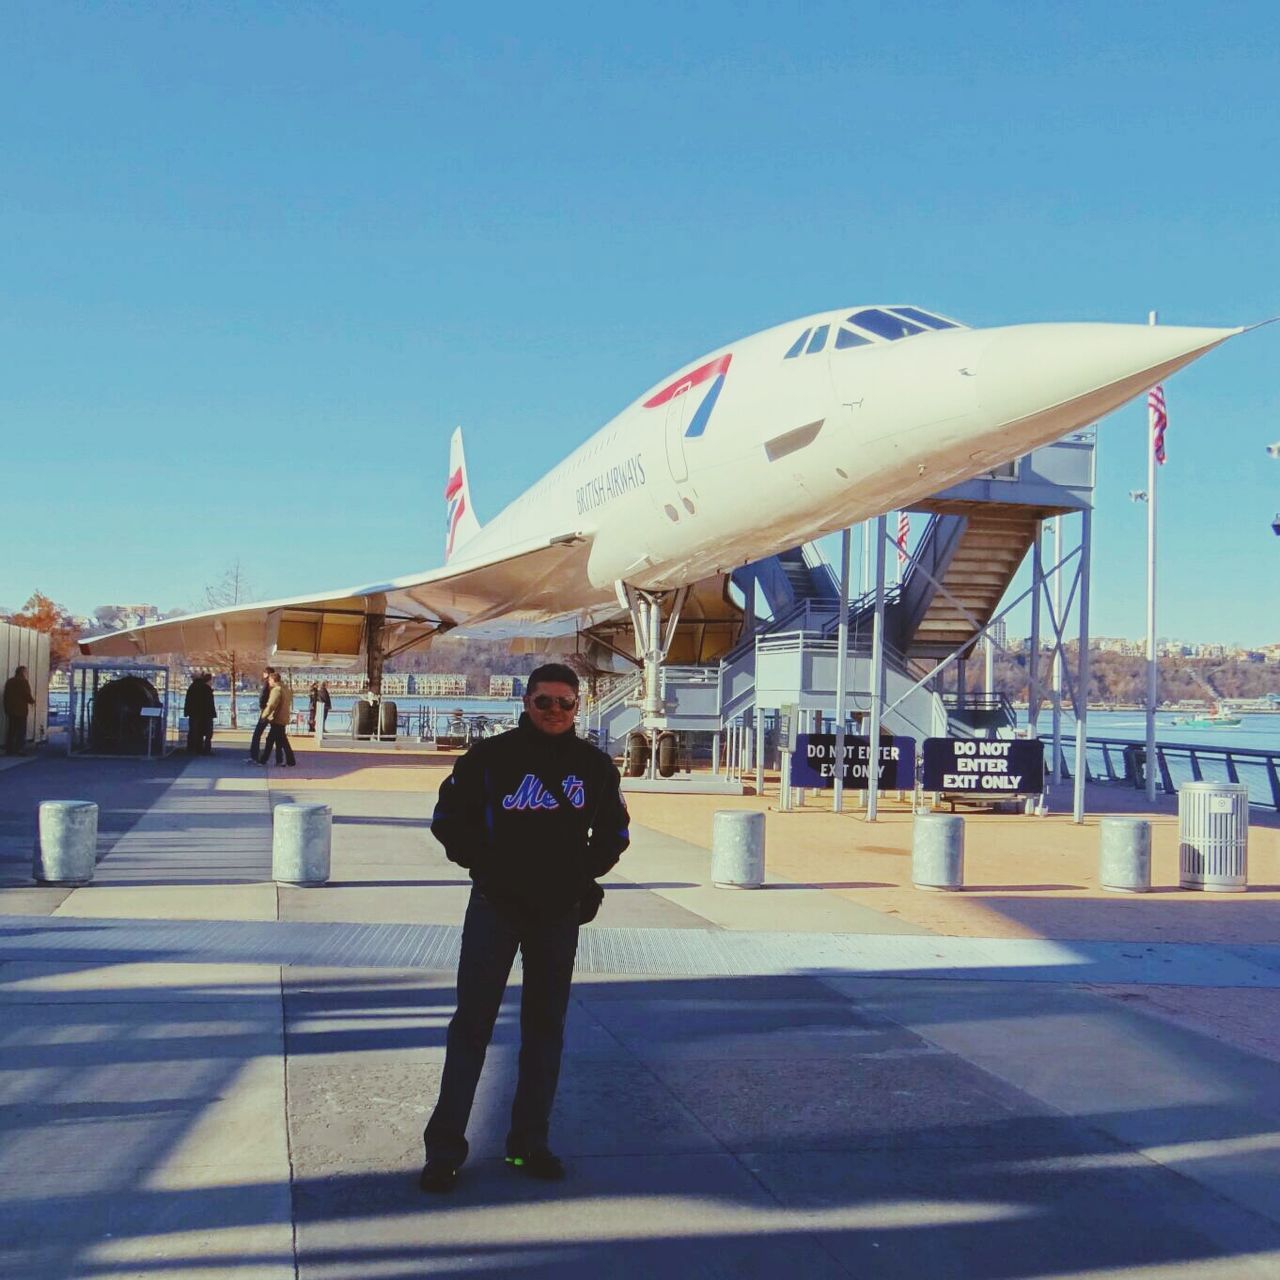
[[18, 701], [276, 714]]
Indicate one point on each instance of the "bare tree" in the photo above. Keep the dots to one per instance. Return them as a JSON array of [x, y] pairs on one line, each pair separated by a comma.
[[231, 589]]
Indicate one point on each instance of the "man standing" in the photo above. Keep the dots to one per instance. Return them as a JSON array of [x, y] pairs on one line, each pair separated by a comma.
[[535, 815], [260, 728], [211, 714], [199, 708], [326, 703], [18, 700], [276, 714]]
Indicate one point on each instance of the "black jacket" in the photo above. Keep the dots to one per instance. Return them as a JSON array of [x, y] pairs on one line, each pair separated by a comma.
[[200, 701], [496, 818], [263, 694]]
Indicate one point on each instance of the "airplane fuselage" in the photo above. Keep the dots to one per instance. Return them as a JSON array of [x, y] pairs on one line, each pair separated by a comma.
[[812, 426]]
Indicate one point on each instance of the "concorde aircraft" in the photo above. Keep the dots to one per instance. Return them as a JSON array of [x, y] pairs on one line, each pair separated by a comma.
[[747, 451]]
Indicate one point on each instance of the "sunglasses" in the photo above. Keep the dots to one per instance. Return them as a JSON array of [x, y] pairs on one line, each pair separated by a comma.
[[544, 702]]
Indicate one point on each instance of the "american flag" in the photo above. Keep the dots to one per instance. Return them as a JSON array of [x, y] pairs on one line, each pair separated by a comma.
[[1159, 421], [904, 528]]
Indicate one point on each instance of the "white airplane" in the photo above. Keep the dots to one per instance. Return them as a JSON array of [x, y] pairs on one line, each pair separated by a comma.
[[768, 442]]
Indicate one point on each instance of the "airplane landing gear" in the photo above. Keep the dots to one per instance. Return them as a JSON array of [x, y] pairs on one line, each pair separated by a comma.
[[653, 641]]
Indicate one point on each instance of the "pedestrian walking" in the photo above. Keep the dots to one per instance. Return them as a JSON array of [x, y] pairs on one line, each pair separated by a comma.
[[18, 701], [535, 815], [313, 697], [276, 713], [261, 727]]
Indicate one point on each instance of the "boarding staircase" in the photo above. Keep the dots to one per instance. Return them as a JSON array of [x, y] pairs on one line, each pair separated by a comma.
[[794, 650], [959, 574]]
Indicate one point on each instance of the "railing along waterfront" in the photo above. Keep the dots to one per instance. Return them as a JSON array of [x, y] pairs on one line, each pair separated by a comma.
[[1122, 761]]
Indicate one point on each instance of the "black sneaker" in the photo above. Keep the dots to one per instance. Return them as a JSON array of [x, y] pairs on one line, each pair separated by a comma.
[[438, 1176], [538, 1164]]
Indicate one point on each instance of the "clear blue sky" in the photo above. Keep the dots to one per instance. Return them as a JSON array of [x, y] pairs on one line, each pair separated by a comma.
[[257, 260]]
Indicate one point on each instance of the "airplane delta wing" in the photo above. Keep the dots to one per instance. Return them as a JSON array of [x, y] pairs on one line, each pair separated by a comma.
[[520, 584]]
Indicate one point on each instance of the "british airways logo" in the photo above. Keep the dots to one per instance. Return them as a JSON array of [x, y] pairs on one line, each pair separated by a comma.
[[714, 371], [455, 496], [531, 794]]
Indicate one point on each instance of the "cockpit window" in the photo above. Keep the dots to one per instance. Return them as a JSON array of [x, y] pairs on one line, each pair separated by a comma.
[[847, 338], [797, 346], [819, 339], [923, 317], [885, 324]]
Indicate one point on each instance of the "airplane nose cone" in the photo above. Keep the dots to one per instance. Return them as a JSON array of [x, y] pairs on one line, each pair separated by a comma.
[[1081, 371]]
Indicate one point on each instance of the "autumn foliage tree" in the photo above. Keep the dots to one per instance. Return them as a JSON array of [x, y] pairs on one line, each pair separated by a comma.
[[42, 614]]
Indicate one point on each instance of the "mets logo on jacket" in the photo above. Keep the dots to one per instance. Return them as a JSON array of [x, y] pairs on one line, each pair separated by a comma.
[[531, 794]]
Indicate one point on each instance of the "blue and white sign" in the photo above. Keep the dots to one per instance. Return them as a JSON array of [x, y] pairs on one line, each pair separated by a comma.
[[813, 763]]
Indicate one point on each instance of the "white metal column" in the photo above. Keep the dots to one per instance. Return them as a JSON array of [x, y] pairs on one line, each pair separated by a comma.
[[1033, 657], [1059, 628], [877, 676], [1082, 674], [842, 662]]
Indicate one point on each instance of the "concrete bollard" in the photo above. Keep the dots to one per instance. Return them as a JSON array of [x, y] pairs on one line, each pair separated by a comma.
[[937, 851], [1124, 863], [737, 849], [66, 842], [301, 840]]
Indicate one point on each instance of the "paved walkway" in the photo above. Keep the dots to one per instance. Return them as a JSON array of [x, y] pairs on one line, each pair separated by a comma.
[[206, 1076]]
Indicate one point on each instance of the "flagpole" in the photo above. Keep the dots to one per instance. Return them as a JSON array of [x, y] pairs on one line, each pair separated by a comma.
[[1153, 667]]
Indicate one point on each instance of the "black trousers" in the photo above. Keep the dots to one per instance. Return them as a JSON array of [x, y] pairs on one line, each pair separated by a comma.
[[277, 738], [199, 734], [490, 938], [258, 730], [15, 735]]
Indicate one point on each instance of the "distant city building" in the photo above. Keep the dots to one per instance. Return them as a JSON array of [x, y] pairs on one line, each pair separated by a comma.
[[440, 685], [1116, 644], [126, 615], [999, 633], [506, 686], [394, 684]]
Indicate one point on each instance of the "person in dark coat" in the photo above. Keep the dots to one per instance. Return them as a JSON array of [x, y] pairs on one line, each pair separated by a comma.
[[199, 708], [325, 701], [535, 815], [313, 697], [211, 707], [18, 701], [263, 723]]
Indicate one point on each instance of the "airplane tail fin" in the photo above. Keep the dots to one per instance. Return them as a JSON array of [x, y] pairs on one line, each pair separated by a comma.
[[462, 524]]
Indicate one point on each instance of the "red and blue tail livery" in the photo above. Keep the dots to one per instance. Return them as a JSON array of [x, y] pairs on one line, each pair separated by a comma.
[[456, 497]]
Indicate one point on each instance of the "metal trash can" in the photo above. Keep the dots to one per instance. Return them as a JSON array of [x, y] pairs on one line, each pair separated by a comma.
[[1213, 836]]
